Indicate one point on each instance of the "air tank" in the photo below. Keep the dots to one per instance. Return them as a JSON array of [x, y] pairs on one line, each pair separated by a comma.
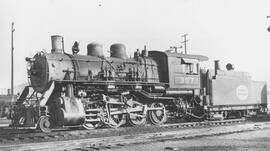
[[95, 49], [57, 44], [118, 51]]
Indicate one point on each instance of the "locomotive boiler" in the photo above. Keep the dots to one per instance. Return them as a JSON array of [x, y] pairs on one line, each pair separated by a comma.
[[92, 90]]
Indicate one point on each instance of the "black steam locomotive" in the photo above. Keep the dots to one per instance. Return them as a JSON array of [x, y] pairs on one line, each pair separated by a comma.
[[92, 90]]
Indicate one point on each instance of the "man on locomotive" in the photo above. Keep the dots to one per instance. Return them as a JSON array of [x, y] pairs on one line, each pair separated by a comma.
[[75, 48]]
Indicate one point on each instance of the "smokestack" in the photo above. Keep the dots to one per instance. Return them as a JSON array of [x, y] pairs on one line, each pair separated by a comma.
[[216, 66], [57, 44]]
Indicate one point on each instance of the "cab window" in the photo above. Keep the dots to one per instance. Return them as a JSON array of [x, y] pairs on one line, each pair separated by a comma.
[[189, 66]]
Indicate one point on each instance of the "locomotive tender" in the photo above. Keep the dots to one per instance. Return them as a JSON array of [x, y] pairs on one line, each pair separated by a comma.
[[92, 90]]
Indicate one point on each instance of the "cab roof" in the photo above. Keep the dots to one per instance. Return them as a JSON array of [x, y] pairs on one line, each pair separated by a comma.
[[181, 55]]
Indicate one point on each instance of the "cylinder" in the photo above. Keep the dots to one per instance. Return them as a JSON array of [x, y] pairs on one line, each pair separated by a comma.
[[216, 66], [118, 51], [95, 49], [57, 44]]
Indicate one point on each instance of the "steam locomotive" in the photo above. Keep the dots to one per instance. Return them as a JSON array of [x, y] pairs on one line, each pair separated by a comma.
[[92, 90]]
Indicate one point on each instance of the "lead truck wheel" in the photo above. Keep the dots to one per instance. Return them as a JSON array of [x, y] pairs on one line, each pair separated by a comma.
[[44, 124]]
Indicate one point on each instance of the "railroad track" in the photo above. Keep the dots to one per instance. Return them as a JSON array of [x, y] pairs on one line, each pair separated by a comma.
[[124, 141], [204, 123], [24, 136]]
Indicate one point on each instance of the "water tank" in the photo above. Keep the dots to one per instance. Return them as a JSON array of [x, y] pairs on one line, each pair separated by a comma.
[[95, 49], [57, 44], [118, 51]]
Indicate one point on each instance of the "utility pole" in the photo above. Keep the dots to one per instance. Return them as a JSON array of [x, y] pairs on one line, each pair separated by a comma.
[[268, 26], [185, 42], [12, 65]]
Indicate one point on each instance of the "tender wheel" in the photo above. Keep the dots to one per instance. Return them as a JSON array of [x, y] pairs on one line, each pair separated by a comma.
[[44, 124], [157, 117]]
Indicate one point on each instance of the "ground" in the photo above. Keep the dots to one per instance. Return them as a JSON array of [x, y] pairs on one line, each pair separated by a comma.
[[239, 136], [258, 140]]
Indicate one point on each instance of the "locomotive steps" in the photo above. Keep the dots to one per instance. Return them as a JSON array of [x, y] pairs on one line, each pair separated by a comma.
[[114, 142]]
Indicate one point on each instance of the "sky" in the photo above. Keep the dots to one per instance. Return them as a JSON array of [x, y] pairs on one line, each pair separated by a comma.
[[232, 31]]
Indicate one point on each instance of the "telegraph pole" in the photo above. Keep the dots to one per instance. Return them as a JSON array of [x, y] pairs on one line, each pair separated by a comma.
[[185, 42], [12, 65], [268, 26]]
